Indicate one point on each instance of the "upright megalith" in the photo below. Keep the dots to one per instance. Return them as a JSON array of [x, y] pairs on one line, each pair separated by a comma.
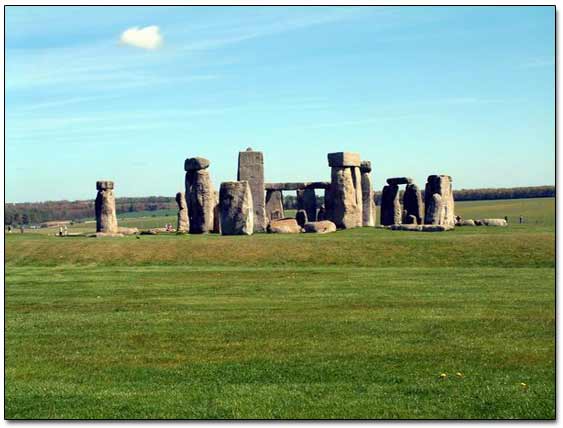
[[368, 201], [251, 169], [307, 200], [412, 203], [200, 195], [106, 219], [390, 205], [274, 205], [439, 201], [236, 208], [343, 198], [183, 219]]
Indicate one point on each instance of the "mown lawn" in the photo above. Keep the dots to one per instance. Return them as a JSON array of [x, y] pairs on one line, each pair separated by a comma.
[[356, 324]]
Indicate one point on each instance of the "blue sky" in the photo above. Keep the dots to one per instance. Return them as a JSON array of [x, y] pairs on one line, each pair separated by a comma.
[[464, 91]]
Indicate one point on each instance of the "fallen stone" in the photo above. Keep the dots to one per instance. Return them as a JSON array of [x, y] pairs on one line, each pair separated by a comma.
[[494, 222], [108, 235], [128, 230], [467, 222], [324, 226], [285, 225]]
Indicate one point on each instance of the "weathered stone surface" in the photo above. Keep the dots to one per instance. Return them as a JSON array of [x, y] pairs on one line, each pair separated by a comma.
[[183, 225], [200, 197], [301, 217], [216, 214], [108, 235], [390, 205], [307, 200], [343, 159], [106, 219], [104, 185], [128, 230], [412, 204], [236, 208], [410, 219], [368, 201], [298, 185], [251, 169], [343, 200], [419, 227], [441, 185], [285, 225], [434, 210], [274, 205], [194, 164], [394, 181], [435, 228], [321, 214], [494, 222], [324, 226], [468, 222], [365, 166]]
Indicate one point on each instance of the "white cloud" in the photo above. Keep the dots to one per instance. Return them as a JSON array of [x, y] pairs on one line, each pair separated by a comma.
[[145, 38]]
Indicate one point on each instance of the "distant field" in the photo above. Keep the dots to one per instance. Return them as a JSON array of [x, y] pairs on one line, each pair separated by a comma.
[[355, 324]]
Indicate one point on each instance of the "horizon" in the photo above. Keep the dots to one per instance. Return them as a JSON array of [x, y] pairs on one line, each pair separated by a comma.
[[127, 93]]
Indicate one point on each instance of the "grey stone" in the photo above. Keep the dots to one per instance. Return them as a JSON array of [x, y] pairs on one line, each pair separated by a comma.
[[321, 214], [343, 200], [390, 205], [412, 203], [368, 201], [106, 219], [494, 222], [251, 169], [183, 225], [298, 185], [301, 217], [285, 225], [307, 200], [200, 197], [194, 164], [108, 235], [216, 214], [274, 205], [236, 209], [324, 226], [128, 230], [441, 185], [394, 181], [343, 159], [468, 222]]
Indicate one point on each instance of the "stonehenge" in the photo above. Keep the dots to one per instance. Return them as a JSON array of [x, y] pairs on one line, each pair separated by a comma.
[[200, 195], [183, 225], [307, 201], [413, 206], [391, 211], [439, 201], [251, 169], [368, 200], [301, 217], [343, 199], [106, 219], [324, 226], [285, 225], [274, 205], [236, 208]]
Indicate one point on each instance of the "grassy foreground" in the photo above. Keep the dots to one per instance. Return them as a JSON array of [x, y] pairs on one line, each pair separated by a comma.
[[356, 324]]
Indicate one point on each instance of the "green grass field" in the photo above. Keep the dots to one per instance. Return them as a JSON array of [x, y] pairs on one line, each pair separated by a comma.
[[356, 324]]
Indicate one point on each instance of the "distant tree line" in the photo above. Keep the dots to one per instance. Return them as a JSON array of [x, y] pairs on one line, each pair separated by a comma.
[[39, 212]]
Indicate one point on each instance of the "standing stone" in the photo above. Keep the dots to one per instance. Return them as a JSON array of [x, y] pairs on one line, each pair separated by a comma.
[[307, 200], [368, 201], [390, 205], [343, 199], [183, 219], [216, 214], [274, 205], [441, 213], [200, 195], [321, 215], [301, 217], [236, 208], [106, 219], [412, 203], [251, 169]]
